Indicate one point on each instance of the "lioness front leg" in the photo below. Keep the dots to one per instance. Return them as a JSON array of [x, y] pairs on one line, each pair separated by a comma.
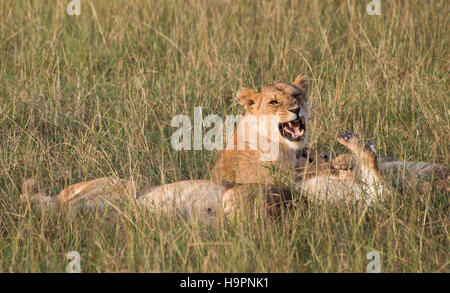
[[366, 161]]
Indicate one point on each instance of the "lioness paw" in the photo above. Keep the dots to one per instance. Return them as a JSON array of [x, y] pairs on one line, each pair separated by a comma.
[[369, 147], [346, 136], [350, 141]]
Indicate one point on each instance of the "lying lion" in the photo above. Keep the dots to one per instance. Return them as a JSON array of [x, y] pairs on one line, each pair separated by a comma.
[[240, 175]]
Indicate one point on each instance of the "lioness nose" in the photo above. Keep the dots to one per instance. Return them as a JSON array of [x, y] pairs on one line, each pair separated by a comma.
[[295, 111]]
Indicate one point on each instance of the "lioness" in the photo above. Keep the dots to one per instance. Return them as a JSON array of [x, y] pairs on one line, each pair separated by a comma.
[[287, 101], [242, 171]]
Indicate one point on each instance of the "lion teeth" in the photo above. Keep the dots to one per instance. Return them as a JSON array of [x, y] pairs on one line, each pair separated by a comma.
[[302, 132], [290, 124]]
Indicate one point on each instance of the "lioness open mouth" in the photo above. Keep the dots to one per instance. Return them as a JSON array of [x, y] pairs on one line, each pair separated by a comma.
[[293, 130]]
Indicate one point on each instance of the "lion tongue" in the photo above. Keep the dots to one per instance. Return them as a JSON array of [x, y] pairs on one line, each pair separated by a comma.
[[298, 133], [293, 128]]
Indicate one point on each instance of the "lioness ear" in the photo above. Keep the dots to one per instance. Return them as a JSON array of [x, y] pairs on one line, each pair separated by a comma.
[[246, 97], [302, 81]]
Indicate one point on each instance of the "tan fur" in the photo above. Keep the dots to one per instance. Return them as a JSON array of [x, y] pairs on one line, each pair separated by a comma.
[[193, 198], [96, 193], [364, 184], [244, 166], [206, 199], [240, 177], [404, 175]]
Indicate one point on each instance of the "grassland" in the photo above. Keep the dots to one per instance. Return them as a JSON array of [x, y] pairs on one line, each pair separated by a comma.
[[93, 95]]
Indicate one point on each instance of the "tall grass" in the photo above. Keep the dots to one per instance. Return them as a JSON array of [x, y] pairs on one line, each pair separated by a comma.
[[87, 96]]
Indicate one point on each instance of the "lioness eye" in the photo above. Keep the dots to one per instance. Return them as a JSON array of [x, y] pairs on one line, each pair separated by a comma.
[[273, 102]]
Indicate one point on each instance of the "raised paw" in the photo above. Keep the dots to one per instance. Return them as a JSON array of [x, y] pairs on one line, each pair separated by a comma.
[[364, 153], [346, 135], [350, 140], [370, 148]]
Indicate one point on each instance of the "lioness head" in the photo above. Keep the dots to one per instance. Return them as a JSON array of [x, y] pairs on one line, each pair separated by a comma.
[[288, 101]]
